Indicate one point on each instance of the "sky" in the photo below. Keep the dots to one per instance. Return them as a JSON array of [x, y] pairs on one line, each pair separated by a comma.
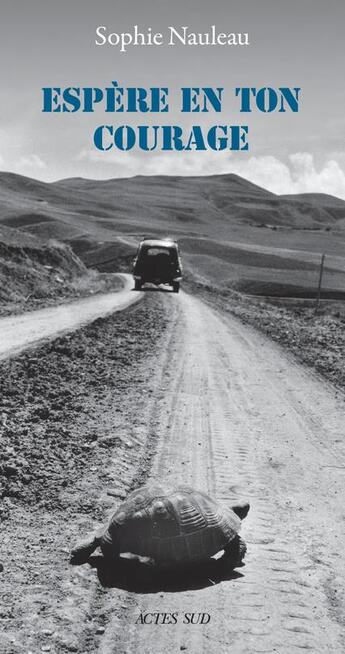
[[298, 43]]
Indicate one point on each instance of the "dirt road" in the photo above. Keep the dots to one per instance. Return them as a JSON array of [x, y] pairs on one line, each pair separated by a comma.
[[19, 332], [232, 415], [239, 419]]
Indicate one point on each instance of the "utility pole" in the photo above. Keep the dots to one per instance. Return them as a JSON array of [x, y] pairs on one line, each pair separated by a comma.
[[318, 296]]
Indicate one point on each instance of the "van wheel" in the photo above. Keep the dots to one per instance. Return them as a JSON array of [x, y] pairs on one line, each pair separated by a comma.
[[176, 287], [137, 284]]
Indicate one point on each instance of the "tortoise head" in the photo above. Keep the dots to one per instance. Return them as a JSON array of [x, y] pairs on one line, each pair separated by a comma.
[[241, 509]]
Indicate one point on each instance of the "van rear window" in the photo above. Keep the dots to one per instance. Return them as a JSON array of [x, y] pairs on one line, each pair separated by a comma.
[[154, 251]]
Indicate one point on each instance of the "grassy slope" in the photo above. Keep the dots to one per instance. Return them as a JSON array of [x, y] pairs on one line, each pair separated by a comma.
[[34, 272]]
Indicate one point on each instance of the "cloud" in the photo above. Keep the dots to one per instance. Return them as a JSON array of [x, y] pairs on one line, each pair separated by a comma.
[[297, 175], [30, 165], [330, 179], [124, 164], [31, 161]]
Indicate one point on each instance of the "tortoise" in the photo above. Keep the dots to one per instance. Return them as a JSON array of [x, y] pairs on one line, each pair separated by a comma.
[[172, 526]]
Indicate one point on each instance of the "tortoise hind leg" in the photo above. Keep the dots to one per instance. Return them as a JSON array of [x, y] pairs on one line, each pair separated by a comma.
[[234, 552]]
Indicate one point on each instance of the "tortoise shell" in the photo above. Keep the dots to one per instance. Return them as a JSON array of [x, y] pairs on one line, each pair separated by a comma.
[[170, 525]]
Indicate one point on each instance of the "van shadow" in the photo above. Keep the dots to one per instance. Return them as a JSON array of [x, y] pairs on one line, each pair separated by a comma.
[[134, 576]]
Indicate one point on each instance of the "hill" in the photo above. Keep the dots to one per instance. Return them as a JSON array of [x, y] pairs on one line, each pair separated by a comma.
[[199, 205], [231, 231]]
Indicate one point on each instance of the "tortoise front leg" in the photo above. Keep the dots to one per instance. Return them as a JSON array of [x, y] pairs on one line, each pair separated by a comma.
[[234, 552], [109, 546]]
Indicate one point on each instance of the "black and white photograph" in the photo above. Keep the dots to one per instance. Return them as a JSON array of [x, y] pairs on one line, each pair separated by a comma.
[[172, 327]]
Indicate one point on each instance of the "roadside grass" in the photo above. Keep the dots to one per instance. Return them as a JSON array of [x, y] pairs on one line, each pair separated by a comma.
[[316, 340]]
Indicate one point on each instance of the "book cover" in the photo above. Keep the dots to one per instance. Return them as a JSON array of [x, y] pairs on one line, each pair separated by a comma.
[[172, 287]]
